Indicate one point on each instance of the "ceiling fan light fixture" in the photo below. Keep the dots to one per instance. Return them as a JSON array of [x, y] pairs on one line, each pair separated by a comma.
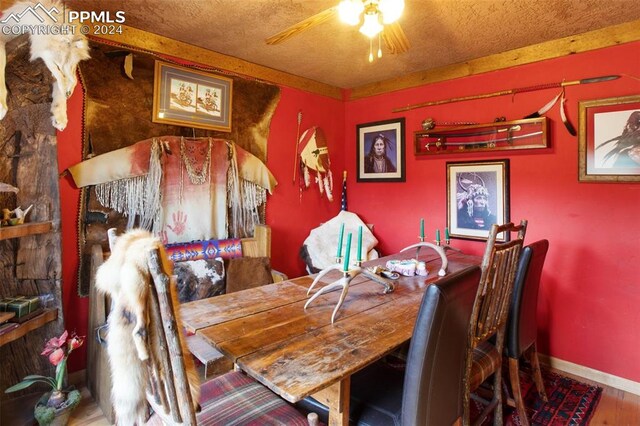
[[391, 10], [371, 26], [350, 10]]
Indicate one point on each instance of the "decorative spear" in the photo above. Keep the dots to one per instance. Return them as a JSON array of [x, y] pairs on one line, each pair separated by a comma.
[[510, 92]]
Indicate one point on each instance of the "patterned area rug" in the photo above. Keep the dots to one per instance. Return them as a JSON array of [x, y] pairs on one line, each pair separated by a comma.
[[570, 401]]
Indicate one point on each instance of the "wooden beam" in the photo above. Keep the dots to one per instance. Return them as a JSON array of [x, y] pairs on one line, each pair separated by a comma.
[[605, 37], [136, 38]]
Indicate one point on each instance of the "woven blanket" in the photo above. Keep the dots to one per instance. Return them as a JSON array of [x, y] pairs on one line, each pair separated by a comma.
[[208, 249]]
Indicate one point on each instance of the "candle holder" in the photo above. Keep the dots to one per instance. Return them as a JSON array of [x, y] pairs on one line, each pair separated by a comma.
[[439, 249], [338, 260], [358, 263], [347, 276], [421, 239]]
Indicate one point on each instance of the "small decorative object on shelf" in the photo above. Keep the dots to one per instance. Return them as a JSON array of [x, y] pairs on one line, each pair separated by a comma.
[[16, 216], [529, 133], [54, 407]]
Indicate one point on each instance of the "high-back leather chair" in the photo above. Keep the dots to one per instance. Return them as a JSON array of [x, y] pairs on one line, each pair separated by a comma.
[[489, 319], [522, 326], [429, 390]]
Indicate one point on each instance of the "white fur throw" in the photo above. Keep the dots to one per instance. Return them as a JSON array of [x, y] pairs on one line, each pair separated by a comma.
[[322, 242], [125, 276]]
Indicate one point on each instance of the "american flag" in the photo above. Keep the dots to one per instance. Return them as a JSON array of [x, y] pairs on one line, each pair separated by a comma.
[[343, 200]]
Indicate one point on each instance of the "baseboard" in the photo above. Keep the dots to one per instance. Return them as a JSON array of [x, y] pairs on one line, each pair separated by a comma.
[[591, 374]]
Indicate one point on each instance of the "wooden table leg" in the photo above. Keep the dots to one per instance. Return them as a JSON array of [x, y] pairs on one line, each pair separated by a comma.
[[336, 397]]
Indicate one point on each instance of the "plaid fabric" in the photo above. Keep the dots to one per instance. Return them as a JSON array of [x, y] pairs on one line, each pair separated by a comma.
[[235, 399], [486, 360], [206, 249]]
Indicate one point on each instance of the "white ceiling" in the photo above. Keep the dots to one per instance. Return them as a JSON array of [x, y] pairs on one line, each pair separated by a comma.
[[441, 32]]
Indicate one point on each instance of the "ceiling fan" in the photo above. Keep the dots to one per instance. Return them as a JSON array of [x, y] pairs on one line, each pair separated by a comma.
[[378, 18]]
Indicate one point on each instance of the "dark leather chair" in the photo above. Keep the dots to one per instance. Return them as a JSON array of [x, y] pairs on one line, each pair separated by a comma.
[[429, 390], [522, 326]]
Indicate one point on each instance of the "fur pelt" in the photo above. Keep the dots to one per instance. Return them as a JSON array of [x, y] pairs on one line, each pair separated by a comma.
[[61, 51], [126, 278]]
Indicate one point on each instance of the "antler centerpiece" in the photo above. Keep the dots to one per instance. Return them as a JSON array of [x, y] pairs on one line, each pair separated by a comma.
[[347, 274]]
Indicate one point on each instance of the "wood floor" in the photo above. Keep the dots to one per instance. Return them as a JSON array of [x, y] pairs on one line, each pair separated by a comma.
[[616, 407]]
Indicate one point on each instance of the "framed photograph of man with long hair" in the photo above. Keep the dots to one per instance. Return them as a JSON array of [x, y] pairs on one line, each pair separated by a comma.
[[609, 140], [380, 151], [477, 197]]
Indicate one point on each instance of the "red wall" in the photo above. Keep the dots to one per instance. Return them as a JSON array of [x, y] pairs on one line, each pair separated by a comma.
[[588, 305], [588, 308], [290, 217]]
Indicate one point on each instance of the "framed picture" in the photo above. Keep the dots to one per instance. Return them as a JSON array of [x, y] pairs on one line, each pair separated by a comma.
[[609, 139], [191, 98], [477, 197], [381, 149]]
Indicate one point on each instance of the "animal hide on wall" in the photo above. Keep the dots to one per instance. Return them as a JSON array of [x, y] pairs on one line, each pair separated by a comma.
[[118, 112]]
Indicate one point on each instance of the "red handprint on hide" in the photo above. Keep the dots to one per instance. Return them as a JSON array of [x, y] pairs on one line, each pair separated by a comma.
[[179, 222]]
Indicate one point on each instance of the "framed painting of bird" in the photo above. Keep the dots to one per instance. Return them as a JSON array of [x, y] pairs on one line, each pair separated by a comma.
[[609, 140]]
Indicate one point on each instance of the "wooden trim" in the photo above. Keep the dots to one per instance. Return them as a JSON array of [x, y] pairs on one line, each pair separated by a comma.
[[29, 325], [31, 228], [591, 374], [155, 43], [605, 37]]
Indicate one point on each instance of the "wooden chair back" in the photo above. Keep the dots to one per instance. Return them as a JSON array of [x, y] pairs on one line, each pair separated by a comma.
[[499, 266], [169, 393]]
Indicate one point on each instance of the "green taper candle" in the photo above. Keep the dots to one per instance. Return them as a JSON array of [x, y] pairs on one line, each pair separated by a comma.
[[360, 243], [446, 234], [437, 235], [422, 228], [340, 235], [345, 266]]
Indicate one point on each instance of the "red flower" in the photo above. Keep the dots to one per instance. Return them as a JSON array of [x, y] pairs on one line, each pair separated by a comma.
[[75, 342], [55, 343], [56, 356]]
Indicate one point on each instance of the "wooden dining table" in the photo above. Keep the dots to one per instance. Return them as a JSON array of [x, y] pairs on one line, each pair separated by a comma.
[[298, 353]]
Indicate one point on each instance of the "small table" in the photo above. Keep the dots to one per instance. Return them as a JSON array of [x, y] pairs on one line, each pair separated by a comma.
[[297, 353]]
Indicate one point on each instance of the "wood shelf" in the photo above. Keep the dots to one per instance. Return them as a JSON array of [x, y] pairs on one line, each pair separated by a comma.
[[31, 228], [30, 325]]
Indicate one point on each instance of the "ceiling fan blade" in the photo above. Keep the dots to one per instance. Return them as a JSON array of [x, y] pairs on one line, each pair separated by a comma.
[[395, 38], [310, 22]]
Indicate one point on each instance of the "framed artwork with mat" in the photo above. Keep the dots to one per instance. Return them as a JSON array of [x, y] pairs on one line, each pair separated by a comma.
[[191, 98], [609, 140]]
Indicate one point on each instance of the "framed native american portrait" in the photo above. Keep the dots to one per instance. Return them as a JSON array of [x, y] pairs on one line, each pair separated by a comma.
[[381, 151], [609, 140], [477, 197], [191, 98]]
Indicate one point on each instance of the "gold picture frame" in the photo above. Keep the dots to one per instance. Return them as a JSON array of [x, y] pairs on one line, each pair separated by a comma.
[[191, 98], [609, 140]]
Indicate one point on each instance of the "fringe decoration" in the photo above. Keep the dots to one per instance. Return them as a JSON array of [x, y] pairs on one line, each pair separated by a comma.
[[139, 196], [245, 200]]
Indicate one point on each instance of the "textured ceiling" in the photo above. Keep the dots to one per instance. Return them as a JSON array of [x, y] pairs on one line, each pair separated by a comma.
[[441, 32]]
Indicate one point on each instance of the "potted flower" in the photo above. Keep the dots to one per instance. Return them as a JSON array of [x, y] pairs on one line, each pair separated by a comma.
[[55, 406]]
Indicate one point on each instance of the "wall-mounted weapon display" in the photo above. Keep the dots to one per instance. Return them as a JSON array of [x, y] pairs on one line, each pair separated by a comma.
[[528, 133]]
